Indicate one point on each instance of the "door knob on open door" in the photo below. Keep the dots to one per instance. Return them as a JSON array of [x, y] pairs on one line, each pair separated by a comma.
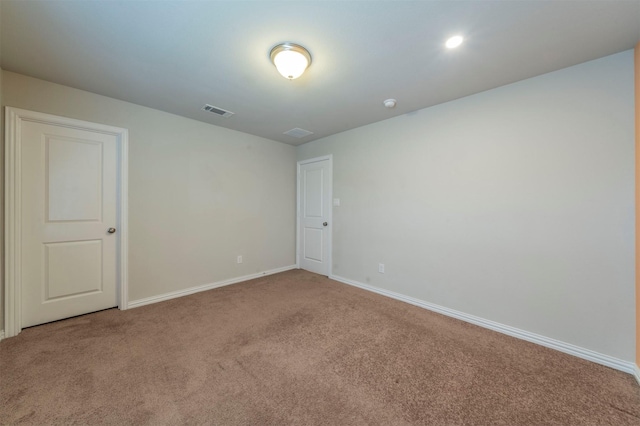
[[111, 230], [324, 223]]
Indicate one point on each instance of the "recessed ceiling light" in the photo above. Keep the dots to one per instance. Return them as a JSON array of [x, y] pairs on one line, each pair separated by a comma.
[[454, 42]]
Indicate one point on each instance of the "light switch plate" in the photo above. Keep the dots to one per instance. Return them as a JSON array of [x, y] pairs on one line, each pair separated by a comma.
[[336, 202]]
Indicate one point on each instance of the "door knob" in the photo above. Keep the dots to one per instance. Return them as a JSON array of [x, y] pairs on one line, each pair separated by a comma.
[[324, 223], [111, 230]]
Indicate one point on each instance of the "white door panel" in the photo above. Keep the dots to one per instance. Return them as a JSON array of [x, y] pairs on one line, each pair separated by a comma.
[[69, 190], [314, 216], [313, 244], [72, 268], [74, 179]]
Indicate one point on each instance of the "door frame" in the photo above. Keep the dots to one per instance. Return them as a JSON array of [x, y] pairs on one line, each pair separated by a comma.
[[330, 219], [12, 208]]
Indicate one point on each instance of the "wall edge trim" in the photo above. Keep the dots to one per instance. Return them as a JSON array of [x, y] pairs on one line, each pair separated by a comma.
[[568, 348], [197, 289]]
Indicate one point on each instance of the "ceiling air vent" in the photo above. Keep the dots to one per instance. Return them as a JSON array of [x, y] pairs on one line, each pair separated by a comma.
[[298, 132], [218, 111]]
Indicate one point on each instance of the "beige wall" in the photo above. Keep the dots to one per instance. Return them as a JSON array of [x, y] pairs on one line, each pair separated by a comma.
[[199, 195], [1, 207], [515, 205], [637, 117], [1, 196]]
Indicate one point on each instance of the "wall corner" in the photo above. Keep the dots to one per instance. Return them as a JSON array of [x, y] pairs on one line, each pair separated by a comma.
[[636, 73]]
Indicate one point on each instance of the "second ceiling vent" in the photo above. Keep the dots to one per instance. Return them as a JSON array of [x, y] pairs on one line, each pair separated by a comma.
[[218, 111], [298, 132]]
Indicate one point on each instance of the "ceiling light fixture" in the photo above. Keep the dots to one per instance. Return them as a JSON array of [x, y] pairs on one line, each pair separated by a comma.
[[290, 59], [390, 103], [454, 42]]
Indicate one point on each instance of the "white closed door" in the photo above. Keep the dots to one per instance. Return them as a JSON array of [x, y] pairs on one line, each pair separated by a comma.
[[68, 205], [314, 202]]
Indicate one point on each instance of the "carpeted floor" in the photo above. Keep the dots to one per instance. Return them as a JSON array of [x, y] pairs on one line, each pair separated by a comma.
[[297, 348]]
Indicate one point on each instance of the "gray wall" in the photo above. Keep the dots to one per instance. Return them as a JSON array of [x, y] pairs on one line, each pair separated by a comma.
[[199, 195], [1, 207], [515, 205]]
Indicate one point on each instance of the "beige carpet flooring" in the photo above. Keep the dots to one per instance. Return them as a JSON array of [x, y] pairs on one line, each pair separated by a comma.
[[297, 348]]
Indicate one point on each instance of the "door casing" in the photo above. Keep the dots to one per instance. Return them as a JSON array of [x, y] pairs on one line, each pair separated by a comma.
[[298, 209], [12, 209]]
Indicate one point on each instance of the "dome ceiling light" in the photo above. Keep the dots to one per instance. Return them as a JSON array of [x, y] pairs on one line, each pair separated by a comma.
[[290, 59]]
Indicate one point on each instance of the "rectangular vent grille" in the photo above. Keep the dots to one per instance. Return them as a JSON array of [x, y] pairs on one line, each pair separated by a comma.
[[218, 111], [298, 132]]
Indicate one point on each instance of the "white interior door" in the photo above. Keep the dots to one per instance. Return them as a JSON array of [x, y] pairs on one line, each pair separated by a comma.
[[68, 180], [314, 214]]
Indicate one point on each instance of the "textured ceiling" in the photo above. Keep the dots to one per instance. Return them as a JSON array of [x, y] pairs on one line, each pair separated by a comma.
[[176, 56]]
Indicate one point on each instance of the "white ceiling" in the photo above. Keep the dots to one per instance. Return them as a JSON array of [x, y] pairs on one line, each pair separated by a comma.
[[176, 56]]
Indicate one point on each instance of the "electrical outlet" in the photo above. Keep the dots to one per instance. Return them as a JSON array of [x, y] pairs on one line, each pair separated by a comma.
[[381, 268], [239, 259]]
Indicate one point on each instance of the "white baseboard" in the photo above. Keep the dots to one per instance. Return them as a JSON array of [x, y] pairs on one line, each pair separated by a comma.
[[609, 361], [204, 287]]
